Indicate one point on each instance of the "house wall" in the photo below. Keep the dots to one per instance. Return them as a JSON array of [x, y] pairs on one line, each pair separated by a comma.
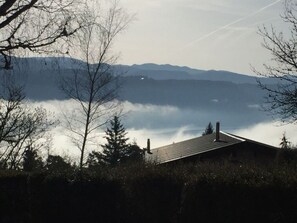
[[257, 153]]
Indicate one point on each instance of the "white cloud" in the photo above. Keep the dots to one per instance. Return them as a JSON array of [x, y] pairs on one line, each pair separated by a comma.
[[162, 124], [255, 106], [270, 133], [160, 137]]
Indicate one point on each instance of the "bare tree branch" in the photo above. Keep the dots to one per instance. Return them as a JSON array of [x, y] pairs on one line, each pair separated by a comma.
[[93, 86], [20, 126], [281, 99], [41, 26]]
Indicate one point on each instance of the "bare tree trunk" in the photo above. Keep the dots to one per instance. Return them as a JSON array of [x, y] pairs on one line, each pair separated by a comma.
[[85, 137], [94, 85]]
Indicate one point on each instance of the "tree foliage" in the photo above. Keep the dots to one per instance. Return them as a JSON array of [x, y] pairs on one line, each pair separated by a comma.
[[285, 143], [281, 100], [208, 130], [116, 147], [31, 160], [117, 150], [57, 164]]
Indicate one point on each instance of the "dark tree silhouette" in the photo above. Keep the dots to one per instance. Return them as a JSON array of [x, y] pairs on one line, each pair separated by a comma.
[[208, 130], [281, 100], [57, 164], [285, 144], [31, 160], [116, 150], [133, 154], [116, 147], [37, 26], [20, 126]]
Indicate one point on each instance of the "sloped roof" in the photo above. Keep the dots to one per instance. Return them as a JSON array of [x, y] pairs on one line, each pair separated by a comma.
[[194, 146]]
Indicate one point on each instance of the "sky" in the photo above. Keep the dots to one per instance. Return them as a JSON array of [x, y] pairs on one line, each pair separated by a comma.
[[202, 34]]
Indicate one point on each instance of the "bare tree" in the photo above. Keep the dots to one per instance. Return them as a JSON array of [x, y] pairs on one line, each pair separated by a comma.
[[20, 126], [36, 26], [29, 27], [281, 99], [93, 84]]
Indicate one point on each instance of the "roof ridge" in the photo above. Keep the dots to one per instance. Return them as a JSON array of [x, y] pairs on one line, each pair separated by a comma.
[[257, 142], [233, 136]]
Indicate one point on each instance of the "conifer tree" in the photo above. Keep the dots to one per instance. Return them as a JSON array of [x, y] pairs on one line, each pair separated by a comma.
[[57, 164], [208, 130], [285, 143], [31, 160], [116, 147], [116, 150]]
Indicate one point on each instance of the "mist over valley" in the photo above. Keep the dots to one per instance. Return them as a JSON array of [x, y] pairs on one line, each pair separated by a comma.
[[163, 102]]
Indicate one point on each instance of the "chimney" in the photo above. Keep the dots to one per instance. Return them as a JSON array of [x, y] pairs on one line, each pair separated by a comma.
[[148, 146], [217, 132]]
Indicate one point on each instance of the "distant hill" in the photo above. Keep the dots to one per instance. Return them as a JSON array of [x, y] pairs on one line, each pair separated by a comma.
[[149, 70], [170, 72], [148, 83], [202, 94]]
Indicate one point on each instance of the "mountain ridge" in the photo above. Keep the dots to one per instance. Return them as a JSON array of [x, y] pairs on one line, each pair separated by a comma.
[[167, 71], [149, 70], [146, 83]]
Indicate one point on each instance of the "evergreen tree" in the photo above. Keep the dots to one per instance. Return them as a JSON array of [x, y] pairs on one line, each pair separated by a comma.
[[285, 144], [116, 150], [95, 160], [208, 130], [116, 147], [31, 160], [133, 154], [57, 164]]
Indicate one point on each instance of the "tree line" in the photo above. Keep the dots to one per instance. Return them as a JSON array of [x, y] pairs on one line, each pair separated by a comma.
[[116, 151]]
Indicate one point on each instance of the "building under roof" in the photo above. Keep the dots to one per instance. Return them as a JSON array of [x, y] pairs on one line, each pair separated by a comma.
[[217, 147]]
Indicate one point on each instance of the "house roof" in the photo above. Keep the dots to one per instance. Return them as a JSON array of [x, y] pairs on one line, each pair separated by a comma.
[[195, 146]]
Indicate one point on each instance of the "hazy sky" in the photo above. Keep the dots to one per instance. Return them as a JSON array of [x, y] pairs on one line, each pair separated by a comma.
[[205, 34]]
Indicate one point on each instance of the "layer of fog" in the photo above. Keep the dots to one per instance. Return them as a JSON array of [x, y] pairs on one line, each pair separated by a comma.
[[167, 124]]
